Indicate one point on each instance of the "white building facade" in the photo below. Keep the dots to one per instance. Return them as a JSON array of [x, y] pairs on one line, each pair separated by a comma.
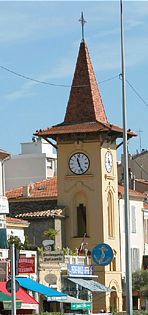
[[36, 162], [136, 230], [3, 200]]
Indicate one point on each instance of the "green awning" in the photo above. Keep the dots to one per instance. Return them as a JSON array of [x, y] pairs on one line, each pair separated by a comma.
[[5, 297]]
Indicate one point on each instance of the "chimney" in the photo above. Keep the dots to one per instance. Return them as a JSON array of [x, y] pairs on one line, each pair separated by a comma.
[[26, 191]]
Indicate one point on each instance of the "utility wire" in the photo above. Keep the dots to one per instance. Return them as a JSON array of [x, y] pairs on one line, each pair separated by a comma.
[[74, 86], [52, 84], [141, 167], [141, 98]]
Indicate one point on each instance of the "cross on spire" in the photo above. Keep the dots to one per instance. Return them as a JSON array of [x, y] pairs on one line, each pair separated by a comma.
[[82, 21]]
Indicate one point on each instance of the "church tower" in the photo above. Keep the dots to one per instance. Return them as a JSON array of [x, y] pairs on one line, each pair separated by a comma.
[[87, 174]]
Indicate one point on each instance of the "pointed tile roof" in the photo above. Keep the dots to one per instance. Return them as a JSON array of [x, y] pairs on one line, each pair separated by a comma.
[[85, 103], [85, 111]]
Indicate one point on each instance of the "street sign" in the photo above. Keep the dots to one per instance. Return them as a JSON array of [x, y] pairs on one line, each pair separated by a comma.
[[9, 286], [102, 254], [81, 306]]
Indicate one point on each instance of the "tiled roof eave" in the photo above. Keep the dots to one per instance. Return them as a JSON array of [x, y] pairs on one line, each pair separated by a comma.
[[133, 194], [83, 128], [32, 198], [51, 213]]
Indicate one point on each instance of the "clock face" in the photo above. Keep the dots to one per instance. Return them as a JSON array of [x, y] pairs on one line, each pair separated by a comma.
[[108, 161], [79, 163]]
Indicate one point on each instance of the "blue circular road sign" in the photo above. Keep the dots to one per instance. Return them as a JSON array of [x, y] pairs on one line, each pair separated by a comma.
[[102, 254]]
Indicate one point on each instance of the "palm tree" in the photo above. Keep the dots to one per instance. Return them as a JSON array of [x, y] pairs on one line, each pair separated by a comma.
[[51, 233]]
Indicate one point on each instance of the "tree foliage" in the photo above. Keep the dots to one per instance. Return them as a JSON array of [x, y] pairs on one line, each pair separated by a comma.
[[13, 239], [140, 282], [51, 233]]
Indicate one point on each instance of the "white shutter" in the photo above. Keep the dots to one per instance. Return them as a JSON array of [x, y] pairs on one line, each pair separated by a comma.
[[133, 213], [135, 259]]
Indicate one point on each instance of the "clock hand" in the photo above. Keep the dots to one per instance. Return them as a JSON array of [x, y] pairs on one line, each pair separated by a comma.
[[79, 165]]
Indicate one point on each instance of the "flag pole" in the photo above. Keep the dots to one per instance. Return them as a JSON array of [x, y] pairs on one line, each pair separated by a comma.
[[129, 307]]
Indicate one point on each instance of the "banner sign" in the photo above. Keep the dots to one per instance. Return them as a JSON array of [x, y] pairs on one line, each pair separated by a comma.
[[4, 205], [80, 269], [80, 306], [26, 264]]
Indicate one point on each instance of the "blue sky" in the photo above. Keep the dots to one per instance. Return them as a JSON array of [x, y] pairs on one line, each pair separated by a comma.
[[41, 40]]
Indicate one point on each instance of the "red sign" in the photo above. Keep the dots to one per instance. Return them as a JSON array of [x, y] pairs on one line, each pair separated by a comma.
[[26, 264], [3, 270]]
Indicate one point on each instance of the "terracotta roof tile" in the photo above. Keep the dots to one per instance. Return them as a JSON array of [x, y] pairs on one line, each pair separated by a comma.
[[85, 111], [42, 189], [15, 220], [143, 181], [42, 213], [132, 193], [82, 128], [85, 103]]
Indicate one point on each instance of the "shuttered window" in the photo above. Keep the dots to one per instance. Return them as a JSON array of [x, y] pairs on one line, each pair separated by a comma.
[[135, 259], [133, 214]]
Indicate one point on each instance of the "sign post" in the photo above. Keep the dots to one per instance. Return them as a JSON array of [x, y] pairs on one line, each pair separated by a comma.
[[13, 284]]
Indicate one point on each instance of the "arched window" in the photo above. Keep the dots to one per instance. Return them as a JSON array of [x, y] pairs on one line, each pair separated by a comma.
[[113, 264], [81, 220], [110, 209]]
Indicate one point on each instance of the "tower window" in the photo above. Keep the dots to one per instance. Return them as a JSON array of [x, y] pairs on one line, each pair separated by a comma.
[[110, 208], [81, 220], [113, 264]]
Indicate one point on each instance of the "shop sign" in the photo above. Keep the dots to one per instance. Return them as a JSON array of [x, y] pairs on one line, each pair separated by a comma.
[[80, 269], [51, 278], [26, 264], [56, 298], [8, 305], [52, 257], [80, 306], [3, 270], [4, 205]]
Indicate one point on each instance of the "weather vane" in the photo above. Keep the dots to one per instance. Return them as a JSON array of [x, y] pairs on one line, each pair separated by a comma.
[[82, 21]]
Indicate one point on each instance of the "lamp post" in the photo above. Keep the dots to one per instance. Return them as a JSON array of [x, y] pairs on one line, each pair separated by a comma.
[[126, 179]]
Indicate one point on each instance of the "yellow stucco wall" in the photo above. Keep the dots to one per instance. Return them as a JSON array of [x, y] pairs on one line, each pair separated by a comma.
[[91, 189]]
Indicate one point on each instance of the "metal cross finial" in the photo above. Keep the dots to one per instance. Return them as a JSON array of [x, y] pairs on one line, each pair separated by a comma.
[[82, 21]]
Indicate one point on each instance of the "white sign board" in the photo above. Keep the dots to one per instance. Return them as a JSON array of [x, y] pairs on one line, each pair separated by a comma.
[[4, 205]]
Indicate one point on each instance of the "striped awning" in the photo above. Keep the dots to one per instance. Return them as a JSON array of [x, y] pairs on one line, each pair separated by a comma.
[[91, 285]]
